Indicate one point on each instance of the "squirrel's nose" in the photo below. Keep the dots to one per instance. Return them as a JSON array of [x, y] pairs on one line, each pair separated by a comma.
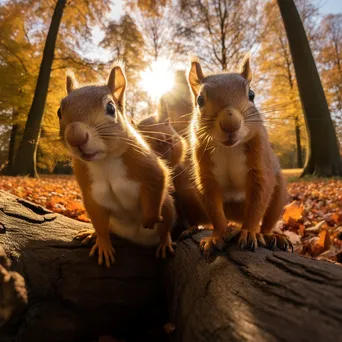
[[76, 136], [80, 141], [230, 123]]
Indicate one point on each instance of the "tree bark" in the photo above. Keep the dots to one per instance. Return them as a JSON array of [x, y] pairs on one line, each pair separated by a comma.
[[253, 296], [12, 143], [71, 297], [323, 158], [239, 296], [298, 145], [25, 161]]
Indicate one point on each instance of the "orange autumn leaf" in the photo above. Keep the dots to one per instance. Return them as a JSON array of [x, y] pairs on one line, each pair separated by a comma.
[[56, 199], [83, 218], [324, 240], [335, 217], [293, 210], [75, 206]]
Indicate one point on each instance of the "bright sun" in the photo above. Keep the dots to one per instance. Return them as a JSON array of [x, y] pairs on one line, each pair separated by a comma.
[[157, 79]]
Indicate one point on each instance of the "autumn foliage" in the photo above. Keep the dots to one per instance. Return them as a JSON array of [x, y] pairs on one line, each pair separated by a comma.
[[60, 194], [312, 220]]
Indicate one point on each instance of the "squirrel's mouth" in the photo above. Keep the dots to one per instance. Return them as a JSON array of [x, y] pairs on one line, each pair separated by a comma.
[[232, 140], [88, 156]]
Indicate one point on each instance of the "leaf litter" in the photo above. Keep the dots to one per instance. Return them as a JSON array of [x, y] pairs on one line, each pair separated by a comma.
[[312, 220]]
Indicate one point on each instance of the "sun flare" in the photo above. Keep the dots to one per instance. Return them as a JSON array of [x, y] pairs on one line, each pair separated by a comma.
[[157, 79]]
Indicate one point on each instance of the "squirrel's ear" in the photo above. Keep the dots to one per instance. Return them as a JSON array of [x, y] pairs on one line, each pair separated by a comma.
[[246, 71], [195, 76], [117, 84], [71, 82], [162, 110]]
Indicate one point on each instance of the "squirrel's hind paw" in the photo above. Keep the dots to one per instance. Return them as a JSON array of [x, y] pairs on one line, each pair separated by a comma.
[[278, 240]]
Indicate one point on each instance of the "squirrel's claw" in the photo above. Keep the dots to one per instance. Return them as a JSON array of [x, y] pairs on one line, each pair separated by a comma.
[[162, 248], [230, 233], [278, 240], [209, 243], [165, 244], [189, 232], [86, 235], [250, 240], [105, 249]]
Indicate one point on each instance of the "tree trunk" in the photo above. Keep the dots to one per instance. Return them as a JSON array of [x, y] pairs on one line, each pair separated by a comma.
[[25, 161], [240, 296], [323, 158], [298, 145], [12, 143], [11, 148]]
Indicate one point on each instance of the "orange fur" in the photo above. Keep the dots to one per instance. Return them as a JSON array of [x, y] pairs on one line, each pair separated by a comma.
[[236, 169], [170, 146], [123, 182], [176, 105]]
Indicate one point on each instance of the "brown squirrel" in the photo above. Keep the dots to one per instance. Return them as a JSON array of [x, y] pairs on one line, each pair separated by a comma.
[[236, 170], [176, 105], [172, 147], [123, 182]]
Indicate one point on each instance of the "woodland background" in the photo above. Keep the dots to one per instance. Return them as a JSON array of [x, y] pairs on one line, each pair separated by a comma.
[[151, 31], [163, 33]]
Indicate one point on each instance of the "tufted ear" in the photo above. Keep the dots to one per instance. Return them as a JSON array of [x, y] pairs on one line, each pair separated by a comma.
[[245, 69], [195, 76], [71, 82], [117, 84]]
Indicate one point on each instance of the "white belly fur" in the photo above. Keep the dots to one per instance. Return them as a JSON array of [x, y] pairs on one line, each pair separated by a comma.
[[230, 171], [113, 190]]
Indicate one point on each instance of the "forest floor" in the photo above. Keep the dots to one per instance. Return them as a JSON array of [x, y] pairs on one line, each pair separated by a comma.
[[312, 219]]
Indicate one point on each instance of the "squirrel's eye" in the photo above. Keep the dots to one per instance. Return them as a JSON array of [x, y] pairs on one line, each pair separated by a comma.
[[200, 100], [251, 95], [59, 113], [110, 109]]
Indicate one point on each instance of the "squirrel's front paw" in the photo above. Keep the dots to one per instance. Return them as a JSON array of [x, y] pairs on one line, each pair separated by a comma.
[[105, 249], [250, 239], [149, 222], [87, 236], [209, 243], [165, 244], [189, 232], [278, 240]]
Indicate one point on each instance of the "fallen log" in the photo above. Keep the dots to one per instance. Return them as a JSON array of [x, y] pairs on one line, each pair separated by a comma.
[[247, 296], [71, 298], [238, 296]]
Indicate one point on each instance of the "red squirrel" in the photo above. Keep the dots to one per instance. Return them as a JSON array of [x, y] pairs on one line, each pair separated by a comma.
[[123, 182], [172, 147], [236, 170]]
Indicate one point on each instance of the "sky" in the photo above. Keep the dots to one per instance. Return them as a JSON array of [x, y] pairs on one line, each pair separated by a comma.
[[327, 7], [331, 6]]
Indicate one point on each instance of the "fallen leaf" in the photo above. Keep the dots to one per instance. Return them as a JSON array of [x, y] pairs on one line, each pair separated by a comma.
[[317, 228], [293, 210], [324, 239]]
